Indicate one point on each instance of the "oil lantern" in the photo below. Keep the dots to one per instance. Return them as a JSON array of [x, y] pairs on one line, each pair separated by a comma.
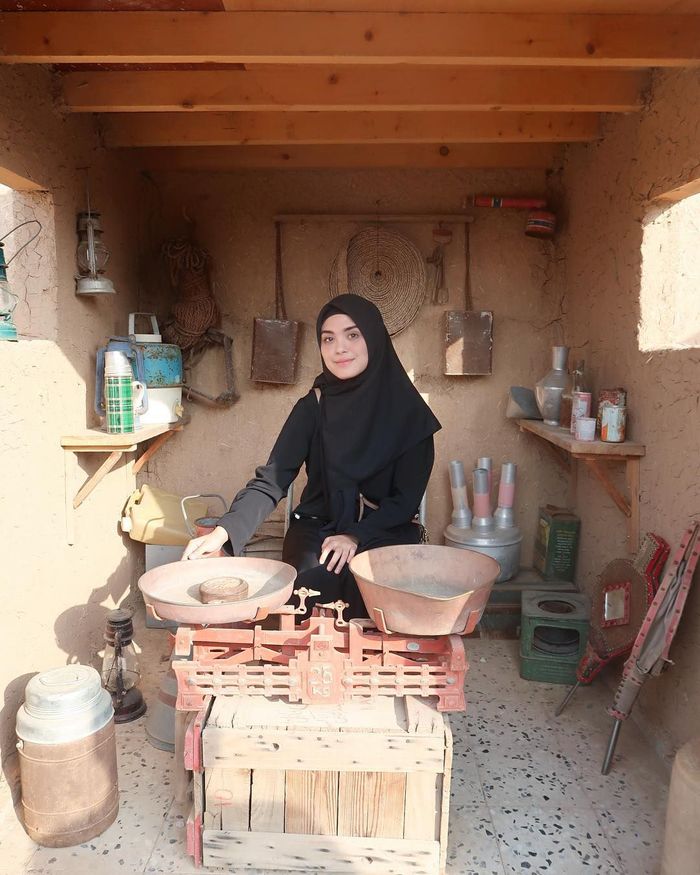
[[92, 257], [120, 668]]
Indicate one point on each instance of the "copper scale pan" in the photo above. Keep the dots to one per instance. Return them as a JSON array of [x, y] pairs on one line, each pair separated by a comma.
[[425, 590], [172, 590]]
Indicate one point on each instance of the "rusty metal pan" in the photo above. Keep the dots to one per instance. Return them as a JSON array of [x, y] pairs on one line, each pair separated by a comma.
[[425, 590], [173, 590]]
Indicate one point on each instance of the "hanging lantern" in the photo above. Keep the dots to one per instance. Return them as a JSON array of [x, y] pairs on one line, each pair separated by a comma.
[[8, 299], [92, 257], [120, 668]]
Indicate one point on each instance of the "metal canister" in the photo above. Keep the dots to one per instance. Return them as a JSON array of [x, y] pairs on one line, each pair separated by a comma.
[[67, 757], [610, 398], [580, 407], [612, 425]]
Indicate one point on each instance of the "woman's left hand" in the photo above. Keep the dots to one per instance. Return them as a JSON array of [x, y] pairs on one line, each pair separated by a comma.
[[341, 549]]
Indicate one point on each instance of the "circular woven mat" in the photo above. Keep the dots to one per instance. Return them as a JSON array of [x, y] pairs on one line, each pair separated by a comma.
[[387, 269]]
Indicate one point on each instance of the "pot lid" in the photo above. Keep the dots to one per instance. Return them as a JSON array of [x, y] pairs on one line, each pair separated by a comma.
[[60, 692], [494, 537]]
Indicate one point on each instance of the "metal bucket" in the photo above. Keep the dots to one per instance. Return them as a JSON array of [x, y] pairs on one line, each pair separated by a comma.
[[67, 757]]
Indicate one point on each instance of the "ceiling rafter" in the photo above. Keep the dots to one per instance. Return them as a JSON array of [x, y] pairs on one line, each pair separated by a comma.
[[450, 39], [358, 88], [222, 159], [277, 128]]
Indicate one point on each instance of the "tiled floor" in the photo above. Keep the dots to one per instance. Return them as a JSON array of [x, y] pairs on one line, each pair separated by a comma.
[[527, 793]]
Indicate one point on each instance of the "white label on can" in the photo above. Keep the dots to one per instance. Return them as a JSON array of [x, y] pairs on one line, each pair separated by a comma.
[[580, 408], [612, 424]]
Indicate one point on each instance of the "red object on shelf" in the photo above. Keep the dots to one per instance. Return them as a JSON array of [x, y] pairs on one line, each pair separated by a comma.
[[323, 660], [517, 203]]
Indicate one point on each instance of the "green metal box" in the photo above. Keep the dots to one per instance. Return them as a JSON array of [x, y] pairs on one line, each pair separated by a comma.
[[556, 543]]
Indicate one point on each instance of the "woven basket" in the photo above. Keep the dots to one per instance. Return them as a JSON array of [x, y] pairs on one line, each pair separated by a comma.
[[387, 269]]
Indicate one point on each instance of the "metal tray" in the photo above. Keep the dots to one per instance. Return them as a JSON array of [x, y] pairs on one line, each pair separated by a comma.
[[172, 590]]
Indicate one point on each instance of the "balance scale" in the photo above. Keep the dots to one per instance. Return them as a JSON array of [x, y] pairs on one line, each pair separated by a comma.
[[422, 599]]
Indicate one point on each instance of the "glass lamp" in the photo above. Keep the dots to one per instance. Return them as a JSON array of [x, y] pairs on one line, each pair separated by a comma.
[[120, 668], [92, 257]]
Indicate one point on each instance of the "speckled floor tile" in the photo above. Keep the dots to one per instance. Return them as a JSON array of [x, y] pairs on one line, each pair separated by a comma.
[[558, 841], [534, 776], [170, 851], [472, 848], [527, 794], [466, 782], [16, 848], [493, 727]]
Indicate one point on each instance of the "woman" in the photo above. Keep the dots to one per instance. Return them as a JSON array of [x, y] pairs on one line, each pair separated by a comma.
[[366, 438]]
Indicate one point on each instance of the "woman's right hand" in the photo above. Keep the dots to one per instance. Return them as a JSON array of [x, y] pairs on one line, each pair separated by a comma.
[[205, 545]]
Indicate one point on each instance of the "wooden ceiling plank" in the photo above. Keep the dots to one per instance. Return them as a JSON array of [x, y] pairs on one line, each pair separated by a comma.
[[538, 6], [351, 38], [279, 128], [359, 89], [224, 159]]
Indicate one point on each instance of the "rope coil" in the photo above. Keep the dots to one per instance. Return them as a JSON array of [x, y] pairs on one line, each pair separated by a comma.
[[387, 269]]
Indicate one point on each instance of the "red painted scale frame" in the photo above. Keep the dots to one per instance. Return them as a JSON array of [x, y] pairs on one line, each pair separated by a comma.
[[323, 660]]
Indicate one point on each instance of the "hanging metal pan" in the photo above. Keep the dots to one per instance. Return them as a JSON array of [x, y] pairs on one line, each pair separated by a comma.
[[275, 341]]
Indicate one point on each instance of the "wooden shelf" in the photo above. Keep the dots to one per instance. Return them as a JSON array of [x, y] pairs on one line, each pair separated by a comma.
[[596, 455], [97, 440]]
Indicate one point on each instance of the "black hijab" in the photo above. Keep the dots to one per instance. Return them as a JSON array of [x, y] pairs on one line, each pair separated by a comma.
[[367, 421]]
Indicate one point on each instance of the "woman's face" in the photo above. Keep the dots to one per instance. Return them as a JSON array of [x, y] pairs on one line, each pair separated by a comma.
[[343, 348]]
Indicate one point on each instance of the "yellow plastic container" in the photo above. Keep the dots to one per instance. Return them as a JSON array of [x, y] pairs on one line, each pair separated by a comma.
[[154, 516]]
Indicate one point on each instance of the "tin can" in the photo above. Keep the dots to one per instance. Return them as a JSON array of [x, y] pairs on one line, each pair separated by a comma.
[[580, 407], [613, 421], [610, 398]]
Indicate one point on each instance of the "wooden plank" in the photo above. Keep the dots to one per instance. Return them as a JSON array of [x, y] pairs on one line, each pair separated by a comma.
[[181, 775], [98, 476], [152, 450], [70, 467], [394, 218], [274, 128], [361, 88], [379, 715], [371, 804], [226, 158], [104, 441], [444, 816], [540, 6], [303, 853], [423, 806], [311, 802], [267, 801], [596, 468], [449, 39], [632, 471], [561, 437], [227, 798], [359, 752]]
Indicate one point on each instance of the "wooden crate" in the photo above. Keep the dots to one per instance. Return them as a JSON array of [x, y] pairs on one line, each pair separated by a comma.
[[363, 786]]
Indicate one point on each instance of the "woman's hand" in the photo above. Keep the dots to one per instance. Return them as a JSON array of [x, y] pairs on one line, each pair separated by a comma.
[[200, 548], [341, 549]]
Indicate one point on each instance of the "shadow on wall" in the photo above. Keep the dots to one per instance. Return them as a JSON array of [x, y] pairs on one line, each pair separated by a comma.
[[78, 649]]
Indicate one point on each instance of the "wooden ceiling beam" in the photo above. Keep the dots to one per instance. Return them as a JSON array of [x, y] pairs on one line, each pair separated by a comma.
[[450, 39], [227, 158], [280, 128], [359, 88]]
